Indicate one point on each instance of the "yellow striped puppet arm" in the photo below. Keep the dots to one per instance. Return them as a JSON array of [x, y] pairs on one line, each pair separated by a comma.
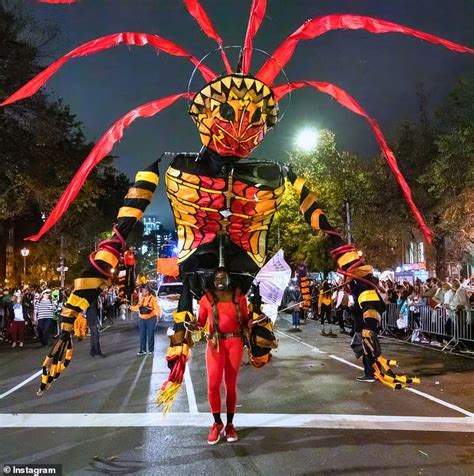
[[95, 276], [369, 306]]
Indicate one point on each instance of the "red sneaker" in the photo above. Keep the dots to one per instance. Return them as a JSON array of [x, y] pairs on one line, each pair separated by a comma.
[[230, 433], [215, 433]]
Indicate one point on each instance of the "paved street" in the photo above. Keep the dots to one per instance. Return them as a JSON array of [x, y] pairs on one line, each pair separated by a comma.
[[302, 414]]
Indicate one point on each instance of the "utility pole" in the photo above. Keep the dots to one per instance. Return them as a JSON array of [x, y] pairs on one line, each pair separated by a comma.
[[348, 222], [61, 262]]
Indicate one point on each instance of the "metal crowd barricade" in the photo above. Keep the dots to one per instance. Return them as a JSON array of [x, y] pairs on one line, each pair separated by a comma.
[[454, 328], [389, 318], [463, 330]]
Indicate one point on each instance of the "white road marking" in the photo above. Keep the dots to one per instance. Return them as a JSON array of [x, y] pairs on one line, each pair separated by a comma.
[[133, 385], [441, 402], [409, 389], [22, 384], [193, 408], [249, 420], [315, 349], [344, 361]]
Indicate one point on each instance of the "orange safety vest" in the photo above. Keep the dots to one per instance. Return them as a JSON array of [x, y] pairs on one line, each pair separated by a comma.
[[146, 307]]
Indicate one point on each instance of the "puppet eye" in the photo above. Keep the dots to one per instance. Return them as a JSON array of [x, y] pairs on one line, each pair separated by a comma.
[[227, 112], [257, 115]]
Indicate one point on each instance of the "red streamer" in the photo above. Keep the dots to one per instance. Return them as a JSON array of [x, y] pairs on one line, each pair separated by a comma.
[[199, 14], [57, 1], [257, 12], [320, 25], [349, 102], [101, 150], [103, 43]]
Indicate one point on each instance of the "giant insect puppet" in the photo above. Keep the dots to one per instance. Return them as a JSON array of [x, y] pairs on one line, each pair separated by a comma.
[[223, 202]]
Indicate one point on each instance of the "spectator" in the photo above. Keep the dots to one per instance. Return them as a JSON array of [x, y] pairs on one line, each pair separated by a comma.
[[149, 310], [461, 306], [414, 301], [295, 302], [341, 301], [325, 308], [402, 303], [383, 290], [44, 316], [393, 293], [2, 316], [439, 294], [430, 291], [92, 316], [448, 301], [461, 296], [7, 314], [19, 319], [110, 298]]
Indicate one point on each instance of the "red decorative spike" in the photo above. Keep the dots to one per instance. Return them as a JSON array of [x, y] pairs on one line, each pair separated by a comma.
[[199, 14], [342, 97], [104, 43], [257, 12], [320, 25], [100, 150]]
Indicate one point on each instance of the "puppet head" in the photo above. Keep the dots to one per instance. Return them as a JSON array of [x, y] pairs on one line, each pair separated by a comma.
[[233, 114]]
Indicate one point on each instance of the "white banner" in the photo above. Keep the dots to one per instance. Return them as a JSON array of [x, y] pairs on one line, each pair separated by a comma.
[[273, 279]]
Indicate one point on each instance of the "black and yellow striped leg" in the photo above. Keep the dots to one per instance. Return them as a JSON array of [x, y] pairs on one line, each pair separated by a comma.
[[349, 262], [359, 277], [95, 276], [396, 381]]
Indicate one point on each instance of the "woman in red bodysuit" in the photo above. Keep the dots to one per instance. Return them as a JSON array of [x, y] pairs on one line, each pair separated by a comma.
[[225, 312]]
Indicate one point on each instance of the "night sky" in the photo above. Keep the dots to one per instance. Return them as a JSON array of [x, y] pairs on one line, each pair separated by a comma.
[[379, 71]]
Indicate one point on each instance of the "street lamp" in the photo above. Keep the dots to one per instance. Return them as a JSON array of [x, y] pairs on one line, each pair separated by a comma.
[[307, 139], [24, 252]]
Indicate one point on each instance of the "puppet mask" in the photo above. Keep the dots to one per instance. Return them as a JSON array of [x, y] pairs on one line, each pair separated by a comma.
[[233, 113]]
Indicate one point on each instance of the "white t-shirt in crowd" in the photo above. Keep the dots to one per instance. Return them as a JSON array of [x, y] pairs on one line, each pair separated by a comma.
[[18, 310]]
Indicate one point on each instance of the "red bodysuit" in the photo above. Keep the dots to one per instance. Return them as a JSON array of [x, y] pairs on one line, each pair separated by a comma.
[[225, 360]]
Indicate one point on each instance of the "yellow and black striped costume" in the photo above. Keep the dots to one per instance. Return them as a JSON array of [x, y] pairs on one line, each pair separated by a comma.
[[370, 305], [97, 274], [304, 283]]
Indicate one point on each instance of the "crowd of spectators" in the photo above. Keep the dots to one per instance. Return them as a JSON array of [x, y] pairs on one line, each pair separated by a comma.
[[447, 303], [32, 314], [444, 304]]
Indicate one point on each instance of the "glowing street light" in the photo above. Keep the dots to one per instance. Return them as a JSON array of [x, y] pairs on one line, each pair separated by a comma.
[[307, 139], [24, 252]]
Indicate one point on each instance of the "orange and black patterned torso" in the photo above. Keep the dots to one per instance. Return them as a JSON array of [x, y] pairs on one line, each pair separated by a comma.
[[212, 199]]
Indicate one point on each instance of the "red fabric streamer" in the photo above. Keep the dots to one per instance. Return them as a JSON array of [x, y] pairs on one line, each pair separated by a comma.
[[101, 150], [199, 14], [57, 1], [257, 12], [320, 25], [349, 102], [103, 43]]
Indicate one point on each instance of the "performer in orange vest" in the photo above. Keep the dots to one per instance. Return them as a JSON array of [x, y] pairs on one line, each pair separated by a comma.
[[150, 311]]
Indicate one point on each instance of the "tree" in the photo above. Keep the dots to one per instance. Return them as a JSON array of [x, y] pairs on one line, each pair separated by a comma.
[[335, 177], [42, 145], [449, 178], [290, 232]]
